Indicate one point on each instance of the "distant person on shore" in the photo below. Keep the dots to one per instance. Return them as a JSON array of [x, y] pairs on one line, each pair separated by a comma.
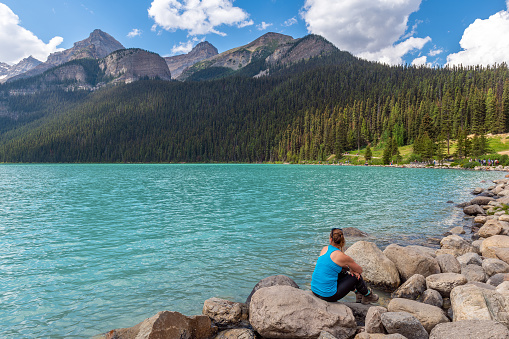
[[336, 274]]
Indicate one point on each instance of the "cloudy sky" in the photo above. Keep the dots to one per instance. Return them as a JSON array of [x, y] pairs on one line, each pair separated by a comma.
[[430, 32]]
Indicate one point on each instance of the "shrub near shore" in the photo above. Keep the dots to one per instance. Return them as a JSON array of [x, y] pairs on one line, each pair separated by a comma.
[[460, 290]]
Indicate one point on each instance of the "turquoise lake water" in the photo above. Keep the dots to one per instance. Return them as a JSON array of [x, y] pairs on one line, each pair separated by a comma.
[[88, 248]]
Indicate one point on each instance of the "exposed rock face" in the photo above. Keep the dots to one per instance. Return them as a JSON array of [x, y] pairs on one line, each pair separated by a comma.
[[178, 63], [21, 67], [302, 49], [129, 65], [167, 325], [377, 268], [470, 329], [287, 312], [98, 45]]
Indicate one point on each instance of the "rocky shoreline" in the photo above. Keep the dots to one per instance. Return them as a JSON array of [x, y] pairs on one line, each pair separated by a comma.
[[460, 290]]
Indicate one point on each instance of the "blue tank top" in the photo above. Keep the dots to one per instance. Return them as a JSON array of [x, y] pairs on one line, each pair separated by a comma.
[[324, 280]]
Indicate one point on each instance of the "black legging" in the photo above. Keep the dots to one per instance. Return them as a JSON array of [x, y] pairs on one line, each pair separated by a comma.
[[346, 283]]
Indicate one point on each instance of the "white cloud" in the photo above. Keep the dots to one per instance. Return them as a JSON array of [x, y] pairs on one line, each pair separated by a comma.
[[484, 42], [198, 17], [393, 55], [290, 22], [420, 61], [18, 43], [185, 47], [372, 29], [435, 52], [263, 26], [135, 32]]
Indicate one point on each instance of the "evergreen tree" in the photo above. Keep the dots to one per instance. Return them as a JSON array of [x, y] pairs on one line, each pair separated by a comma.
[[368, 155], [387, 154]]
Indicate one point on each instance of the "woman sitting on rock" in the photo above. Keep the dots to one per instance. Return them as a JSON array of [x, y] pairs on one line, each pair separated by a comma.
[[336, 274]]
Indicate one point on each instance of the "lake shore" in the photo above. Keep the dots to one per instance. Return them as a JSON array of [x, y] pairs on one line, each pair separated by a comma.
[[434, 292]]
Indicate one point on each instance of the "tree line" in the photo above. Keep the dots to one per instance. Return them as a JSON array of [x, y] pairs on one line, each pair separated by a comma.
[[305, 112]]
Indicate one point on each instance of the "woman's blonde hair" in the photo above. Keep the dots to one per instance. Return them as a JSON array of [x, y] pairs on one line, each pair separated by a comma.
[[338, 238]]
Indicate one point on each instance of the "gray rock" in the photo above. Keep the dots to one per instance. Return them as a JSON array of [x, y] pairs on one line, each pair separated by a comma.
[[378, 270], [478, 329], [373, 323], [274, 280], [428, 250], [497, 279], [281, 311], [474, 273], [167, 324], [470, 302], [477, 245], [482, 285], [412, 288], [455, 245], [490, 228], [429, 316], [359, 311], [405, 324], [481, 201], [457, 230], [493, 266], [478, 190], [445, 282], [432, 297], [237, 333], [225, 313], [410, 261], [490, 244], [448, 263], [354, 232], [473, 210], [470, 258]]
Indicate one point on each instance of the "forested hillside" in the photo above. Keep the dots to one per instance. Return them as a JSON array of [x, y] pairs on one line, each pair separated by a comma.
[[308, 111]]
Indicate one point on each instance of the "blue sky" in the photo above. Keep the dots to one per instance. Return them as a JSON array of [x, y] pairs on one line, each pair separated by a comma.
[[431, 32]]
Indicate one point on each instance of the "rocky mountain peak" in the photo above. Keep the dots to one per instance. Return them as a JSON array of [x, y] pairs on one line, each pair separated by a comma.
[[98, 45], [177, 64], [20, 68], [205, 48]]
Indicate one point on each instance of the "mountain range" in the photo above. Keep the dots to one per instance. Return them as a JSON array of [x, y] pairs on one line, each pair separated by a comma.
[[107, 61]]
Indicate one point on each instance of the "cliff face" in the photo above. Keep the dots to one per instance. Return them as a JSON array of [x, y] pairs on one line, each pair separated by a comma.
[[98, 45], [239, 57], [178, 63], [21, 67], [301, 49], [129, 65]]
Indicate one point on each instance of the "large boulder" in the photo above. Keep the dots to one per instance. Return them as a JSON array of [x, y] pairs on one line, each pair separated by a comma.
[[448, 263], [478, 329], [378, 270], [498, 279], [364, 335], [473, 210], [470, 258], [405, 324], [433, 297], [489, 245], [410, 261], [412, 288], [490, 228], [430, 251], [493, 266], [445, 282], [273, 280], [167, 324], [225, 313], [428, 315], [502, 254], [455, 245], [473, 273], [470, 302], [481, 201], [287, 312], [373, 323]]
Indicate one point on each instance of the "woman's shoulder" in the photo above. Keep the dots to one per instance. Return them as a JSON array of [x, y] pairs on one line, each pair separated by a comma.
[[324, 250]]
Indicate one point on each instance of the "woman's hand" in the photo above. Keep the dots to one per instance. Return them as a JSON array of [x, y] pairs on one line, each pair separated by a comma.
[[355, 274]]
